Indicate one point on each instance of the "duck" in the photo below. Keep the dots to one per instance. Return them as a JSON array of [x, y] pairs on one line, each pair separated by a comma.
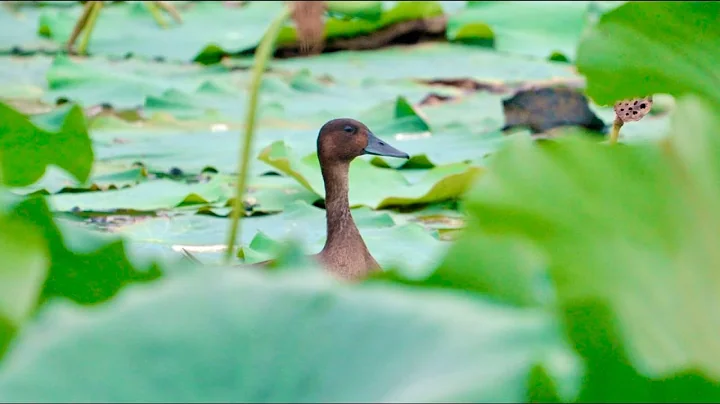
[[345, 254], [339, 142]]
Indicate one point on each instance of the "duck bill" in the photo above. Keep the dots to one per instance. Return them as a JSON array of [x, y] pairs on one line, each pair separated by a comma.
[[379, 148]]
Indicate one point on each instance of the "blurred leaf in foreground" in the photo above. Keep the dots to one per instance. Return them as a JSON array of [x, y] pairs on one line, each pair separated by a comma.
[[84, 267], [28, 146], [297, 337], [498, 267], [24, 261], [39, 262], [642, 48], [631, 236], [374, 186]]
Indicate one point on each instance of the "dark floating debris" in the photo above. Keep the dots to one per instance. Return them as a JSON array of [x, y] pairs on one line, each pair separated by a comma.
[[544, 109]]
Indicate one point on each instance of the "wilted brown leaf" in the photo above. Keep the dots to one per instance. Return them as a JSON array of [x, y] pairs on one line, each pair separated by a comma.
[[308, 19]]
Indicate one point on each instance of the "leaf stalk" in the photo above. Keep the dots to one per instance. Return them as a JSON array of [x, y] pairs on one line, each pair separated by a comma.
[[263, 53], [615, 132]]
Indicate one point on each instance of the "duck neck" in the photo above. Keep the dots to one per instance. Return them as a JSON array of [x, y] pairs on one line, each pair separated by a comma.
[[341, 227]]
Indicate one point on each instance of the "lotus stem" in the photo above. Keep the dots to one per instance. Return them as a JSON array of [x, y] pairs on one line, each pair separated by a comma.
[[156, 14], [615, 132], [263, 53], [80, 24], [170, 9], [90, 12], [88, 28]]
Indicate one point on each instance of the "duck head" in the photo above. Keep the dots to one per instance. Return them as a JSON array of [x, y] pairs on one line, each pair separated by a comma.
[[343, 139]]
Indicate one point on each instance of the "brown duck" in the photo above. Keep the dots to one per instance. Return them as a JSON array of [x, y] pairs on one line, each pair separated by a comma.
[[345, 254], [339, 142]]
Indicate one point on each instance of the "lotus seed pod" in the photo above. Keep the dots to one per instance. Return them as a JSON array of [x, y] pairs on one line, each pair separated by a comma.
[[633, 109], [309, 24]]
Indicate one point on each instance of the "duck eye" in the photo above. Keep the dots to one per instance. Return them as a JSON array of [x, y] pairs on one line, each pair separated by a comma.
[[349, 129]]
